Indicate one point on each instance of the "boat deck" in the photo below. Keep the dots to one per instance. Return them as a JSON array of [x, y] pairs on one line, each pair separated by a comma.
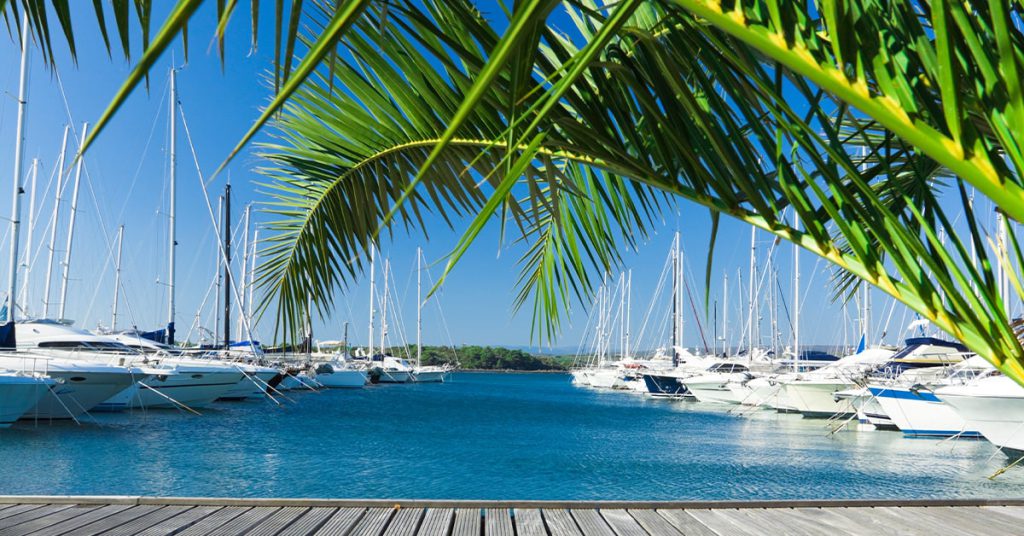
[[279, 517]]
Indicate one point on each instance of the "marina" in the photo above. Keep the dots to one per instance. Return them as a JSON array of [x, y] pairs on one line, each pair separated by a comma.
[[757, 268]]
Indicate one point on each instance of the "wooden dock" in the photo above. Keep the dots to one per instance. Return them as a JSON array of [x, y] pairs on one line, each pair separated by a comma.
[[151, 516]]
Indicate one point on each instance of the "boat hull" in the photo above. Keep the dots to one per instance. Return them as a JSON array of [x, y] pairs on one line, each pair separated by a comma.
[[999, 415], [19, 394], [920, 413], [816, 399], [343, 379], [78, 393], [395, 376], [193, 389], [429, 376], [663, 386]]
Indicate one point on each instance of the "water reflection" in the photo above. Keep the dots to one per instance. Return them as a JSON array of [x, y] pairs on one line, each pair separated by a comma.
[[490, 436]]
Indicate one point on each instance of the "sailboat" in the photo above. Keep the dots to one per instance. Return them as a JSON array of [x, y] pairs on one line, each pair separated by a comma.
[[391, 369], [421, 373], [74, 387]]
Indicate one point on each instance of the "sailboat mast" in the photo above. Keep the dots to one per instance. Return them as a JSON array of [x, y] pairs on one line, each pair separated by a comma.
[[682, 294], [227, 264], [216, 268], [675, 300], [171, 224], [19, 157], [117, 278], [384, 306], [56, 217], [725, 315], [71, 227], [373, 309], [245, 265], [31, 228], [419, 307], [796, 294], [252, 274], [750, 303], [629, 300]]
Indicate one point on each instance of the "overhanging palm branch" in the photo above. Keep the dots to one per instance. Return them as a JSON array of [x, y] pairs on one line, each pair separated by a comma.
[[319, 50], [669, 105]]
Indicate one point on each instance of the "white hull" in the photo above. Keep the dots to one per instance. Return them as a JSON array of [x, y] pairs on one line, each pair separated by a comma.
[[395, 376], [817, 398], [19, 394], [606, 379], [342, 379], [581, 377], [78, 393], [194, 390], [993, 406], [429, 376], [250, 386], [712, 388], [921, 413]]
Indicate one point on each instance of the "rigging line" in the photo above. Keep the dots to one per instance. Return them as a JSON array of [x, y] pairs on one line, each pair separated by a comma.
[[213, 218], [654, 299], [88, 180], [440, 312]]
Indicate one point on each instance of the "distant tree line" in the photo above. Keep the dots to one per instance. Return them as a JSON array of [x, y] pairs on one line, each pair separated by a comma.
[[480, 357]]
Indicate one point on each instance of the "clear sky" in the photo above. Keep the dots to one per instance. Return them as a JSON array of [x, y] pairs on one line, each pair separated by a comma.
[[126, 182]]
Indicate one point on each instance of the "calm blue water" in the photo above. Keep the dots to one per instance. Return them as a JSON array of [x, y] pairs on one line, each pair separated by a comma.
[[488, 436]]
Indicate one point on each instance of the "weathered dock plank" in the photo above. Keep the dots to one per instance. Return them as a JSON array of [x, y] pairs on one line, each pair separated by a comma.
[[341, 522], [17, 510], [591, 523], [724, 522], [113, 520], [560, 522], [86, 518], [308, 524], [405, 522], [498, 522], [827, 519], [780, 521], [622, 523], [146, 521], [923, 521], [244, 523], [274, 524], [180, 522], [529, 522], [214, 521], [467, 522], [686, 523], [373, 522], [32, 513], [437, 522], [37, 525], [653, 523]]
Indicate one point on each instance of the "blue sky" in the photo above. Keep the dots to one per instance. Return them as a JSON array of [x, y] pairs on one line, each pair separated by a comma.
[[126, 183]]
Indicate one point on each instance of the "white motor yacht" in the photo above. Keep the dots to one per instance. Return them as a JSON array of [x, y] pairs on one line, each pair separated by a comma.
[[164, 380], [912, 406], [994, 406], [82, 385], [713, 384], [813, 393], [19, 393]]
